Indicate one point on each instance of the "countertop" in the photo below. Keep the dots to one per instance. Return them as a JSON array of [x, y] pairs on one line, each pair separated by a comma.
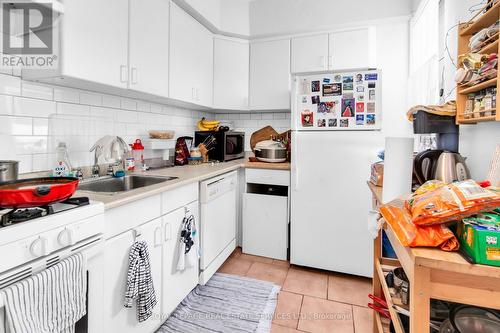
[[185, 175]]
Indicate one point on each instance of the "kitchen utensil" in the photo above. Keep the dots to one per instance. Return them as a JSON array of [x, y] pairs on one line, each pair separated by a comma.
[[36, 192], [424, 163], [265, 133], [472, 319], [447, 327], [401, 284], [270, 151], [379, 305], [451, 167], [9, 170]]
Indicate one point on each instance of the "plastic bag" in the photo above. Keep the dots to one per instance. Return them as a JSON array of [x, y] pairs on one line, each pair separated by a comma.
[[411, 235], [451, 202]]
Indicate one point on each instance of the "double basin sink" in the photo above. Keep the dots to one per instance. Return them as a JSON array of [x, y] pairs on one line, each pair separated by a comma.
[[111, 185]]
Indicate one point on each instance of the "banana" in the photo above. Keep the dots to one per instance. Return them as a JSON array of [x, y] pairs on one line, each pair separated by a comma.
[[208, 125]]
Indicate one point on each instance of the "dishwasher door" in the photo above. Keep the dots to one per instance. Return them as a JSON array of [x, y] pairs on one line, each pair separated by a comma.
[[218, 201]]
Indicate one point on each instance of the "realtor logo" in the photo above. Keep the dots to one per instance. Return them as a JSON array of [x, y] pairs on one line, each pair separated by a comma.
[[28, 34]]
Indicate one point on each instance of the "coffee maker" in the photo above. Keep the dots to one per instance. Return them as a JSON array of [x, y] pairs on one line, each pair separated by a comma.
[[444, 162]]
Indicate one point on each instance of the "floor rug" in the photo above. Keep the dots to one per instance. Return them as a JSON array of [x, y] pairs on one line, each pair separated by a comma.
[[227, 303]]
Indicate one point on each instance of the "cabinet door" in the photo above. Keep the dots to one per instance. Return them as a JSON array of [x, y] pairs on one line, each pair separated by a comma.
[[352, 49], [191, 59], [94, 42], [118, 318], [148, 46], [309, 53], [177, 284], [265, 225], [231, 61], [270, 75]]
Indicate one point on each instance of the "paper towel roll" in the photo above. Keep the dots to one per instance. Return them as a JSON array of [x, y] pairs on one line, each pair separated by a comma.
[[398, 167]]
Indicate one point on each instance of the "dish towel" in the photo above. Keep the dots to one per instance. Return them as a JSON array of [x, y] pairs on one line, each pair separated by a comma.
[[187, 255], [140, 282], [50, 301]]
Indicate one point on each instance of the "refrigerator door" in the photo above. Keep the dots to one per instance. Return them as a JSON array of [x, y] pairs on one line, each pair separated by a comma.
[[337, 101], [330, 200]]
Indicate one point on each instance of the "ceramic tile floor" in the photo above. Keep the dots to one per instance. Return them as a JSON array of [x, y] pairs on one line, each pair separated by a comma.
[[310, 300]]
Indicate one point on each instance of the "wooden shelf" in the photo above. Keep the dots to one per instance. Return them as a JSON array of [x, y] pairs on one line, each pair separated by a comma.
[[481, 21], [489, 48], [475, 120], [391, 300], [477, 87]]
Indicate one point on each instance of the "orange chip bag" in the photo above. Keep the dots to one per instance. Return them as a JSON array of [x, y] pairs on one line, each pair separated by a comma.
[[414, 236], [451, 202]]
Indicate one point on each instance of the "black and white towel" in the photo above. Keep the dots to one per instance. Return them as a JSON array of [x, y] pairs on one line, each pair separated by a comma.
[[50, 301], [140, 282]]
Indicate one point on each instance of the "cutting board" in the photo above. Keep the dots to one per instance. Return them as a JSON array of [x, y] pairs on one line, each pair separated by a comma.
[[263, 134]]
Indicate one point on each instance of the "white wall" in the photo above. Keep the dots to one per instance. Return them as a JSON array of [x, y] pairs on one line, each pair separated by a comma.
[[477, 142], [274, 17], [30, 128]]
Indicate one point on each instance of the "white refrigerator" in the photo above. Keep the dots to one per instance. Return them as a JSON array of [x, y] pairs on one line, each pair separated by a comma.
[[336, 122]]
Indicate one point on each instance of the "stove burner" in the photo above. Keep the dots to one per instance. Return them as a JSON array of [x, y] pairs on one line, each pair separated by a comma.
[[22, 215], [11, 216]]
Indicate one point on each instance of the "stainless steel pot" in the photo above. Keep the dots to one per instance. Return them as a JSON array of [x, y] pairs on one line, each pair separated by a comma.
[[271, 154], [9, 170]]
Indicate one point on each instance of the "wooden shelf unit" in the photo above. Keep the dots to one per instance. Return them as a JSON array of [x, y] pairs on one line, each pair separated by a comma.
[[492, 45], [433, 274]]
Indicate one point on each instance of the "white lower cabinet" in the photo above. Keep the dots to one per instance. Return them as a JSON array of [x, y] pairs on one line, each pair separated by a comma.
[[265, 213], [162, 234], [177, 285], [118, 318]]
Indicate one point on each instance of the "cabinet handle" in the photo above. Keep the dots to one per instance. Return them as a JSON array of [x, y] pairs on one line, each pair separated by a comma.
[[158, 236], [123, 74], [167, 232], [295, 165], [134, 75]]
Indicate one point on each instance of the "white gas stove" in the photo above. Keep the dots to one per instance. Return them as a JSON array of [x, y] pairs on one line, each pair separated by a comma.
[[27, 235]]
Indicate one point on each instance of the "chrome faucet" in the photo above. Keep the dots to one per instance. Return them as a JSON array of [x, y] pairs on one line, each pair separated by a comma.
[[112, 148]]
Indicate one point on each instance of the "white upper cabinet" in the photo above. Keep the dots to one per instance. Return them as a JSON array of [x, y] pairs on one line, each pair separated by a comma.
[[310, 53], [231, 74], [340, 50], [94, 41], [148, 44], [191, 59], [353, 49], [270, 75]]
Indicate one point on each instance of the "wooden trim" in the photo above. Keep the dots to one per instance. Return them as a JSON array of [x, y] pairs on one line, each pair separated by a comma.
[[481, 21], [477, 87], [396, 321], [420, 300]]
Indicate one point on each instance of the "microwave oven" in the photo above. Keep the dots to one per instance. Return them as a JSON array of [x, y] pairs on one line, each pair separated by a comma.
[[228, 145]]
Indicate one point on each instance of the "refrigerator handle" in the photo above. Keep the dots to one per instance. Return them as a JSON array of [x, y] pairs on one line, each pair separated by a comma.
[[295, 165]]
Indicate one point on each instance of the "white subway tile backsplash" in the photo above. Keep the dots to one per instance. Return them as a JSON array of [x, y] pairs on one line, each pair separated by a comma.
[[25, 163], [37, 91], [156, 108], [143, 106], [256, 116], [267, 116], [126, 116], [6, 104], [90, 98], [111, 101], [33, 107], [30, 144], [10, 85], [66, 95], [128, 104], [243, 116], [280, 115], [40, 126], [73, 109]]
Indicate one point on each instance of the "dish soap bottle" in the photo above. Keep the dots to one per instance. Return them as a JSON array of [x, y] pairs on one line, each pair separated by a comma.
[[62, 167]]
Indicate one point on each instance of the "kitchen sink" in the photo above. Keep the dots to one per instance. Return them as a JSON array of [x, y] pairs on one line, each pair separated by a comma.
[[123, 184]]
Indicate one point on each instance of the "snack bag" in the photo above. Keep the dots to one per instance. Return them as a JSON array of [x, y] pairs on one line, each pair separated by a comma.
[[451, 202], [411, 235]]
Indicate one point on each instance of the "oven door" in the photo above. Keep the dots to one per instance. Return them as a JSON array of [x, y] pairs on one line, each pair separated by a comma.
[[234, 145], [92, 250]]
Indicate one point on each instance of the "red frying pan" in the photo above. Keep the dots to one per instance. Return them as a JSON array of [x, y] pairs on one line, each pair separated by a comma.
[[27, 193]]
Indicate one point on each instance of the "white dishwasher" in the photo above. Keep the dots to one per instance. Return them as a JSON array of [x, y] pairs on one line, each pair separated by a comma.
[[218, 217]]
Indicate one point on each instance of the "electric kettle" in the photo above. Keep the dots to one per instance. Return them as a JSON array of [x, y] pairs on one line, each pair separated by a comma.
[[451, 167], [441, 165]]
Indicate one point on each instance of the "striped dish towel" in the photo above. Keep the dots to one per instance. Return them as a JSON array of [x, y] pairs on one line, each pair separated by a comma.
[[50, 301], [140, 282]]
